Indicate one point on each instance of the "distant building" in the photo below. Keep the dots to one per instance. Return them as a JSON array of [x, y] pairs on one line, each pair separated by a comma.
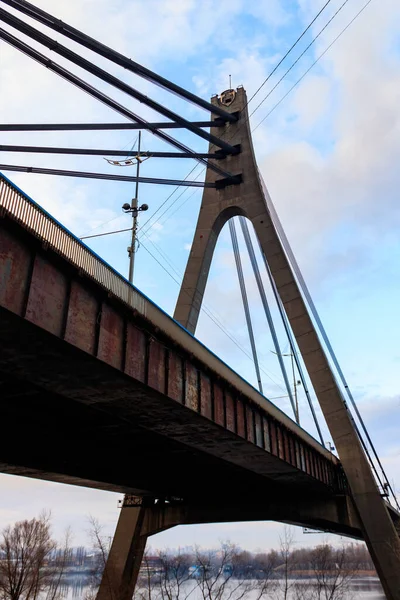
[[151, 565]]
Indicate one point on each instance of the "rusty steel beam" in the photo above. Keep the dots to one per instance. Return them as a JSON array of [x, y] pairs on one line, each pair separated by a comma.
[[96, 46], [96, 126]]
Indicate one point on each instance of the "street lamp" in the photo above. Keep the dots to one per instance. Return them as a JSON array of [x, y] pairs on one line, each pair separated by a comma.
[[134, 210]]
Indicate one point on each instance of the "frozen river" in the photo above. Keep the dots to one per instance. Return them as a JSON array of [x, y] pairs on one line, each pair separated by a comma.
[[361, 589]]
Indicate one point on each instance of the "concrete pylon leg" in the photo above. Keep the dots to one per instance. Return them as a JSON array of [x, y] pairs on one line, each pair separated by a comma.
[[122, 567], [139, 519], [247, 199]]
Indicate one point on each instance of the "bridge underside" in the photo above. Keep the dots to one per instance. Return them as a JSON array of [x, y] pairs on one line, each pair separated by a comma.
[[79, 421]]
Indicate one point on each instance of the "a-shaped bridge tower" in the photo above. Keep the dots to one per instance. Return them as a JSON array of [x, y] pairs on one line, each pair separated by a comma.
[[250, 200], [85, 358]]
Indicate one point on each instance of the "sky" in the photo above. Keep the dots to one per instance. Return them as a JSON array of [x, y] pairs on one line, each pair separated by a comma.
[[328, 149]]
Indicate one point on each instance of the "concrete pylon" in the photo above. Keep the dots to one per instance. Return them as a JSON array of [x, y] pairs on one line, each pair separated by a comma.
[[247, 199], [126, 553], [139, 519]]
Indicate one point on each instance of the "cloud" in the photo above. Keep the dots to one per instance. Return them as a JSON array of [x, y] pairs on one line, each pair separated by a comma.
[[337, 178], [311, 101], [69, 505], [329, 156]]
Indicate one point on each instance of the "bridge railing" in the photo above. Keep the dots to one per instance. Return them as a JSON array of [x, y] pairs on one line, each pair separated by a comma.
[[35, 219]]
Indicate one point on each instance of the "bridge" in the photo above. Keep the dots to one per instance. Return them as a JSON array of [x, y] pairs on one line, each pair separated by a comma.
[[93, 369], [104, 389]]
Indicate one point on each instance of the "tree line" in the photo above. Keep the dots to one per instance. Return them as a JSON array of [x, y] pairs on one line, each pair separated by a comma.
[[33, 566], [325, 572]]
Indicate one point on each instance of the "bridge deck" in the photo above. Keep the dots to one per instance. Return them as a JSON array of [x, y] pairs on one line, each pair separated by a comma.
[[96, 368]]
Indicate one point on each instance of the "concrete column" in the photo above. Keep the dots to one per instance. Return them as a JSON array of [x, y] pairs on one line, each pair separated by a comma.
[[135, 525], [248, 199], [122, 568]]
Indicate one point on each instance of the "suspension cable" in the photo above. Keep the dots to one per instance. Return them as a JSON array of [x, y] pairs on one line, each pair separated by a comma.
[[299, 57], [265, 81], [245, 301], [267, 311], [293, 348], [307, 296], [261, 86], [206, 309]]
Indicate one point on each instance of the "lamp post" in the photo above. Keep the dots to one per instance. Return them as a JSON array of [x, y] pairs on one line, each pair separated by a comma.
[[134, 209]]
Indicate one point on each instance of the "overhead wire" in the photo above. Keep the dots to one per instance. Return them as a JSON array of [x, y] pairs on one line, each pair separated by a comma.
[[270, 92], [252, 97], [292, 343], [151, 218], [171, 214], [387, 483], [88, 237], [218, 317], [292, 47], [228, 138], [299, 57], [312, 65]]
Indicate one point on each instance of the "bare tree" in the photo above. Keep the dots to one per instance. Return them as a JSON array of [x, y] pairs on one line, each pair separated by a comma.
[[287, 563], [164, 576], [57, 571], [28, 567], [219, 576], [174, 575], [223, 574], [334, 571], [101, 546]]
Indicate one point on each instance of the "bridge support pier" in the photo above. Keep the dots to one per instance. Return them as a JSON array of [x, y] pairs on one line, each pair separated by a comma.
[[219, 205], [137, 521], [141, 518], [123, 563], [249, 199]]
